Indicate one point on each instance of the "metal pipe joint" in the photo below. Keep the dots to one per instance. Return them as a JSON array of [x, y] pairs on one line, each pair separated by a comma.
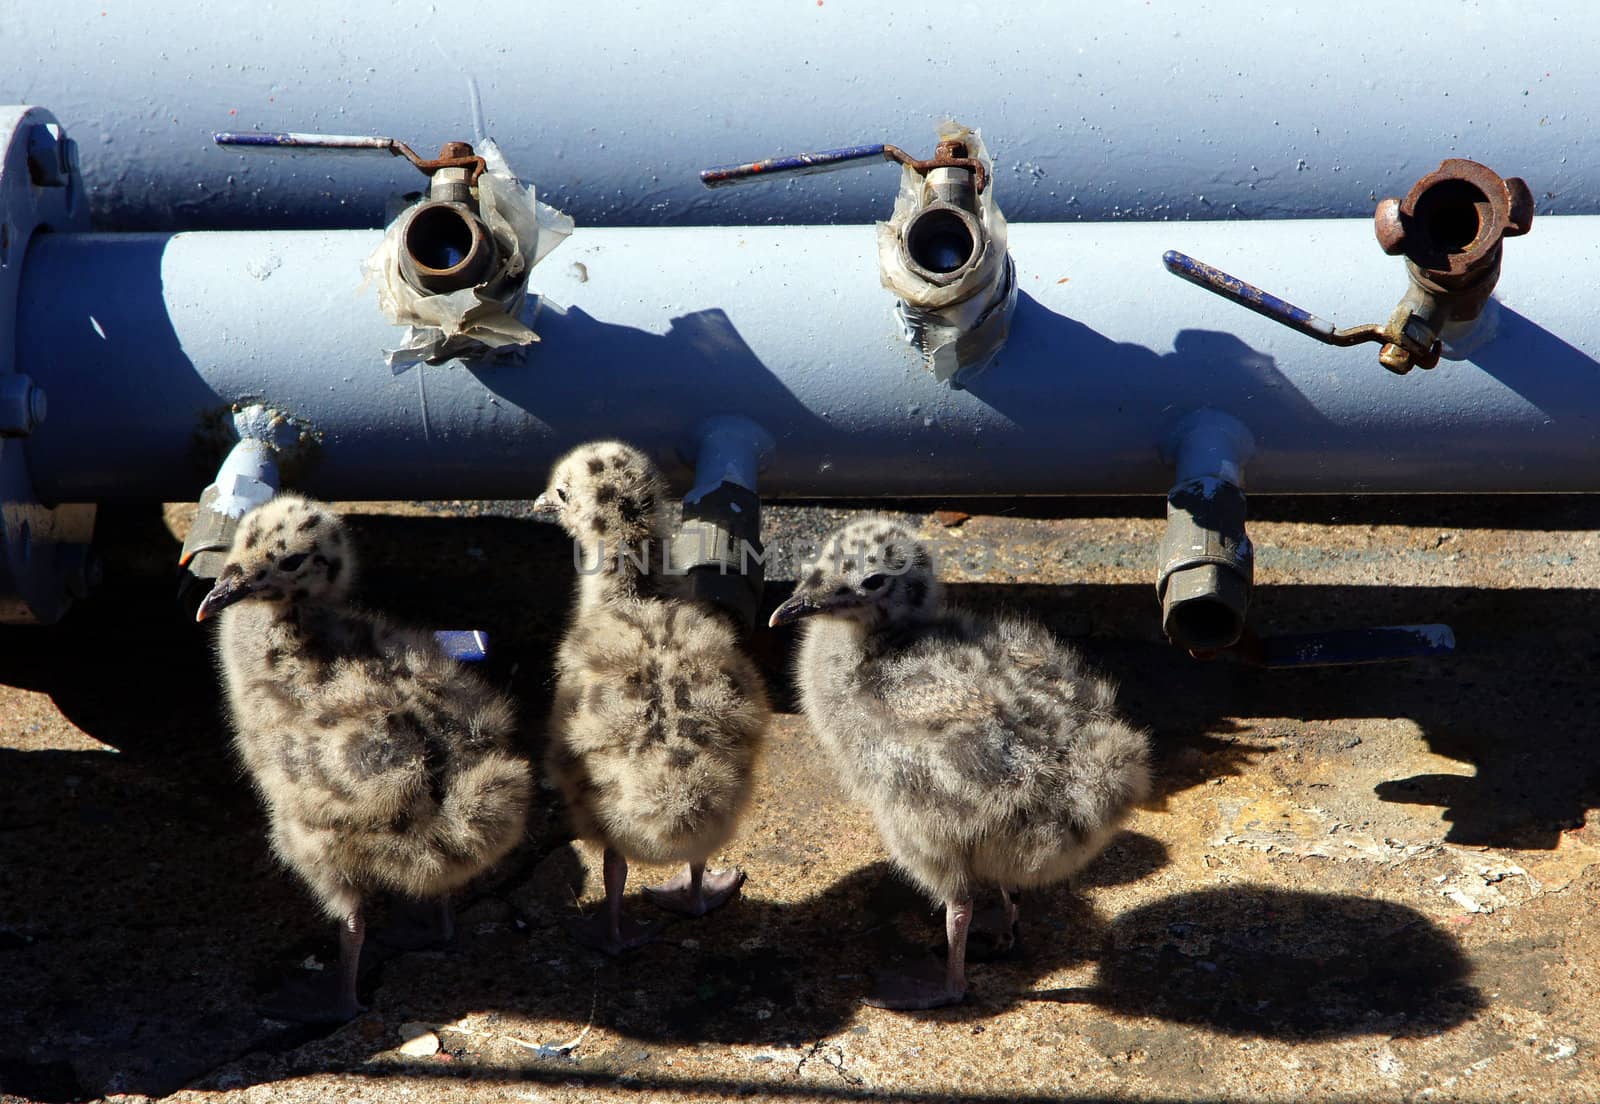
[[718, 545], [1449, 227], [1207, 563]]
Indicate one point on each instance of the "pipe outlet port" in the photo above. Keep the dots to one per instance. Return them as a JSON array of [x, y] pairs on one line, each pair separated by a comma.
[[445, 247], [941, 243], [1207, 565]]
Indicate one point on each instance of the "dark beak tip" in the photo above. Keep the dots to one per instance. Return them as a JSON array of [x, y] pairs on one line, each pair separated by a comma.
[[795, 609], [219, 598]]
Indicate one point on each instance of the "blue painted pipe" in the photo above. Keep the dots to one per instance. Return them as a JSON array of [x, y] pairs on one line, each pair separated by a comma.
[[1218, 109], [145, 341]]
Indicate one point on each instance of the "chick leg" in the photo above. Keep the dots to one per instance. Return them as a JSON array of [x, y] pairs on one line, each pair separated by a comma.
[[610, 931], [695, 891], [328, 996], [416, 925], [994, 930], [916, 991]]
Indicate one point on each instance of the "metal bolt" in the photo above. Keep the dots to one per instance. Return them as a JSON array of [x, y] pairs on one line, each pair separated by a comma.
[[1395, 358], [48, 161], [22, 406]]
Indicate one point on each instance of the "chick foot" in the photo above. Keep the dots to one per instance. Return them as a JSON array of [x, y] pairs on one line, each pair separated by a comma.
[[610, 931], [695, 891], [328, 996], [929, 988]]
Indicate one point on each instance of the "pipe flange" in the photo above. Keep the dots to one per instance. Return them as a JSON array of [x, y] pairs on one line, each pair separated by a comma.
[[42, 549], [1450, 224]]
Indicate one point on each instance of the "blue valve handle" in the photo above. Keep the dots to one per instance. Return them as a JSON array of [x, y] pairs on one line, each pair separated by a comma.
[[464, 645], [308, 143], [1265, 303], [799, 164], [1344, 647]]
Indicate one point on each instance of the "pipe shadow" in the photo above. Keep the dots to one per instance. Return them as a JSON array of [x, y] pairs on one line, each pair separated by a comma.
[[563, 381], [1093, 372], [1515, 701], [1574, 512], [1536, 364]]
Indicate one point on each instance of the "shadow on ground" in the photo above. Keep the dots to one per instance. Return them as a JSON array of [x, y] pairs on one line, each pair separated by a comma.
[[140, 913]]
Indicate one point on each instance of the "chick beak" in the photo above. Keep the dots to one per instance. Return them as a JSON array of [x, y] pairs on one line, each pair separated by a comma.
[[798, 606], [228, 590], [545, 508]]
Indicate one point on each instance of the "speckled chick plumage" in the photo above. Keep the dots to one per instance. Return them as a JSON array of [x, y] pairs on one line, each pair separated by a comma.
[[383, 763], [987, 752], [658, 714]]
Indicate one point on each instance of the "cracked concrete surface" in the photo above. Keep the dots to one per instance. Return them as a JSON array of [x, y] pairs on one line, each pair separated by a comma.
[[1361, 883]]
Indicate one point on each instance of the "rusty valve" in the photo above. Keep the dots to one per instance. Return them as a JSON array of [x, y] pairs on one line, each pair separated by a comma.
[[447, 247], [1449, 228]]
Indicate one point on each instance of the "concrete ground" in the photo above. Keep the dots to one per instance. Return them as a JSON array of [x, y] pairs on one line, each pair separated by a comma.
[[1364, 883]]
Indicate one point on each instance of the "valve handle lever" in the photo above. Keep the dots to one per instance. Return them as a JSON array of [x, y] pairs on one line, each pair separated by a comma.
[[951, 154], [1265, 303], [453, 155], [310, 143], [798, 164]]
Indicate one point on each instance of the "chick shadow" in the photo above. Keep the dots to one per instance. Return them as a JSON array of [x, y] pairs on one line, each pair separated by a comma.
[[767, 971], [1245, 961], [1281, 964]]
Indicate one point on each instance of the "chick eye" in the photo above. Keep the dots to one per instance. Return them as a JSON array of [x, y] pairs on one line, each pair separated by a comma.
[[873, 582], [561, 494], [292, 563]]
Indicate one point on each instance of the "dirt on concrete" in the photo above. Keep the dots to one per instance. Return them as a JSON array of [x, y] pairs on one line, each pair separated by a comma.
[[1361, 883]]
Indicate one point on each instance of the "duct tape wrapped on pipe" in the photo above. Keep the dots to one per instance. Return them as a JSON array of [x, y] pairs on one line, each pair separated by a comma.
[[488, 315], [943, 254]]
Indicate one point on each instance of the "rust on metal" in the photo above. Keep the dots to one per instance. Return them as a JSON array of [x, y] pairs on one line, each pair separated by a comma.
[[1449, 227], [951, 154], [1450, 224], [452, 155]]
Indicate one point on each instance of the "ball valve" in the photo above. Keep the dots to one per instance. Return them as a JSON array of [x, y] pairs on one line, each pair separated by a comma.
[[1449, 227], [942, 252], [454, 266]]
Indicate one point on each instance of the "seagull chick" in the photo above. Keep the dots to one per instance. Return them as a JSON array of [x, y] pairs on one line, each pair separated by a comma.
[[987, 753], [384, 765], [658, 713]]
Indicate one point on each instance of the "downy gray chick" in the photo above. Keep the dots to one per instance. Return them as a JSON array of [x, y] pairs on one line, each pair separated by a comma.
[[383, 764], [987, 753], [658, 714]]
